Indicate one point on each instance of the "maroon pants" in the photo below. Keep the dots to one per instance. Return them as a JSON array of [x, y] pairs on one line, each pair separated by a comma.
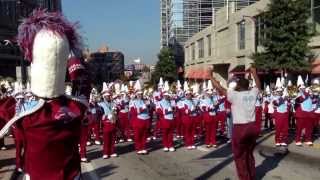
[[189, 130], [140, 128], [178, 124], [282, 127], [222, 117], [211, 128], [244, 138], [109, 135], [95, 128], [124, 125], [258, 118], [307, 124], [167, 127], [83, 141], [18, 140]]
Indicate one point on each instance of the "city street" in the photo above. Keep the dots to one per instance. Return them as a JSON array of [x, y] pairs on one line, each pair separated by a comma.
[[299, 163]]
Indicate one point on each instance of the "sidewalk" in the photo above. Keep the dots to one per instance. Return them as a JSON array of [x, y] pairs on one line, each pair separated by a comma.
[[305, 154]]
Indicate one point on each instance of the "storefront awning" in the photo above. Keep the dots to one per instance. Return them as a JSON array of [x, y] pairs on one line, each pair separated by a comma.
[[316, 67], [198, 73]]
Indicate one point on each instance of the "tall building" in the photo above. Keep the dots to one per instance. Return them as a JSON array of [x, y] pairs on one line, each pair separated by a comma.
[[11, 13], [181, 19]]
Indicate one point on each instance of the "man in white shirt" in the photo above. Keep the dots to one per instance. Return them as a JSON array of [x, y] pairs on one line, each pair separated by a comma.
[[244, 132]]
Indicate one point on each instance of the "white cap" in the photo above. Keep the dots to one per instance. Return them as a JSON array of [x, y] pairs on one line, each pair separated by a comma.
[[186, 88], [179, 86], [195, 89], [105, 89], [160, 84], [300, 82], [204, 86], [137, 87], [289, 83], [268, 91], [166, 88], [117, 88], [278, 83]]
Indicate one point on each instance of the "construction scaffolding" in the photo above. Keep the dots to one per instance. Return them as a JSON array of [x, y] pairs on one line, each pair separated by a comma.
[[181, 19]]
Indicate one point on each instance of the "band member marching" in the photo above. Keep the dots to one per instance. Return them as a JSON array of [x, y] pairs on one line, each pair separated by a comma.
[[141, 120], [109, 123], [209, 109], [166, 112]]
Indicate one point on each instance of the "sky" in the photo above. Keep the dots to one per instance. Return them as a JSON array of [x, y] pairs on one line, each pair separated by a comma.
[[129, 26]]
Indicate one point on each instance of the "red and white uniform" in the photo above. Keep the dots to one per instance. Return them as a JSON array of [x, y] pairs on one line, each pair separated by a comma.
[[209, 109], [166, 112], [188, 120], [123, 115], [281, 117]]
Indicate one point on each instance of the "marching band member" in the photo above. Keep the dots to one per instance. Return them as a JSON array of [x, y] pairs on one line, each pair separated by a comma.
[[304, 114], [166, 112], [141, 120], [209, 109], [268, 109], [51, 129], [281, 115], [94, 116], [198, 123], [188, 118], [108, 122], [179, 110], [123, 115]]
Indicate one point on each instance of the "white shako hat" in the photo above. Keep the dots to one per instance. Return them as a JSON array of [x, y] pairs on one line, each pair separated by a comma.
[[18, 90], [160, 84], [195, 89], [279, 85], [166, 88], [28, 90], [46, 40], [209, 87], [179, 86], [117, 88], [186, 88], [290, 83], [105, 90], [123, 89], [137, 87], [300, 82], [268, 91]]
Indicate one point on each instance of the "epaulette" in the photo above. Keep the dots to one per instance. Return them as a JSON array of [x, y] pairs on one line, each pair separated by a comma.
[[17, 117]]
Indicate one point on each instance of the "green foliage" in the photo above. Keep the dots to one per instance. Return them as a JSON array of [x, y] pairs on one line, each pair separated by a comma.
[[165, 67], [287, 36]]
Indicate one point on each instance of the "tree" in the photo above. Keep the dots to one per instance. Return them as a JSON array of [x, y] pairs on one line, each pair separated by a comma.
[[287, 36], [165, 67]]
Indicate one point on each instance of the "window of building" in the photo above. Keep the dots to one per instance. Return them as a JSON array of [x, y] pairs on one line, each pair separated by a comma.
[[209, 44], [200, 48], [193, 51], [242, 35], [316, 14], [260, 30]]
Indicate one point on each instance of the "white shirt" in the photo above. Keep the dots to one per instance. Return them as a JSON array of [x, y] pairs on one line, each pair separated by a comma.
[[243, 105]]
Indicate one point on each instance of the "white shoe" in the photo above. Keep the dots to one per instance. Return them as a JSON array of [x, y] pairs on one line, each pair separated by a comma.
[[193, 147], [278, 144], [172, 149], [139, 152], [129, 140], [144, 151], [189, 147], [309, 143], [298, 144], [105, 156], [177, 137], [165, 149], [19, 170], [284, 144], [97, 142], [148, 139], [84, 159], [3, 148], [114, 155], [88, 143], [154, 138], [121, 140]]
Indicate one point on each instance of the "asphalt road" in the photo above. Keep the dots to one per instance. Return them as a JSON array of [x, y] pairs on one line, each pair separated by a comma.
[[271, 163]]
